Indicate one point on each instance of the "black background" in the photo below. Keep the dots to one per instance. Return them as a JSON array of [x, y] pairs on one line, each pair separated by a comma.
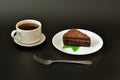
[[99, 16]]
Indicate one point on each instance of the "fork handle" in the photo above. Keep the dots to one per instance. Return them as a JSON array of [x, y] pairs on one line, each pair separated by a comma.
[[78, 62]]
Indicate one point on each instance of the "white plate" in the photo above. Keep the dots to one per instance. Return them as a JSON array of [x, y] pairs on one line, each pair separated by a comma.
[[31, 45], [96, 43]]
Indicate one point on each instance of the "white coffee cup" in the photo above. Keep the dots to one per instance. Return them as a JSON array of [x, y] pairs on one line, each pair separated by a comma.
[[27, 31]]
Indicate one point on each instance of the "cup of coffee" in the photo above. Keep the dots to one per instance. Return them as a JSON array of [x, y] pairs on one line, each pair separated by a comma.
[[27, 31]]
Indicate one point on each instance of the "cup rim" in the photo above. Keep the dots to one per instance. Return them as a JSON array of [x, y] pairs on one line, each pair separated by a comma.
[[28, 21]]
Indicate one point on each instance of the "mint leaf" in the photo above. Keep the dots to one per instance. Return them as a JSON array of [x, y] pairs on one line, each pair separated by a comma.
[[74, 48]]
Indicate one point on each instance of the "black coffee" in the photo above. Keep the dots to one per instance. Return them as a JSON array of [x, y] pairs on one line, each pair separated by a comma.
[[28, 26]]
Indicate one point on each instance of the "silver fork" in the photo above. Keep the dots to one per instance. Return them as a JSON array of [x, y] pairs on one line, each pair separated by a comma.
[[47, 62]]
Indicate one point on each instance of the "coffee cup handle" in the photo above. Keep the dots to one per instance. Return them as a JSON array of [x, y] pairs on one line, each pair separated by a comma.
[[13, 33]]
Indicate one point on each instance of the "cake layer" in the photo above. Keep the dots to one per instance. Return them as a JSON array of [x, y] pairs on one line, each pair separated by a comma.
[[77, 43], [71, 38]]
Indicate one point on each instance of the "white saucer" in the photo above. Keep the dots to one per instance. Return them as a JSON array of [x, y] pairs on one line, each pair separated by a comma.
[[96, 43], [31, 45]]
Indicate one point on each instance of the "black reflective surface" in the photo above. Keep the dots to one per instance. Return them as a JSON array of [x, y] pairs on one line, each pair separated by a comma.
[[101, 17]]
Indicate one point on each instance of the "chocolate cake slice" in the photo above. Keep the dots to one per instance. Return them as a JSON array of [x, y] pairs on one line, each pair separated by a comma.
[[76, 38]]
